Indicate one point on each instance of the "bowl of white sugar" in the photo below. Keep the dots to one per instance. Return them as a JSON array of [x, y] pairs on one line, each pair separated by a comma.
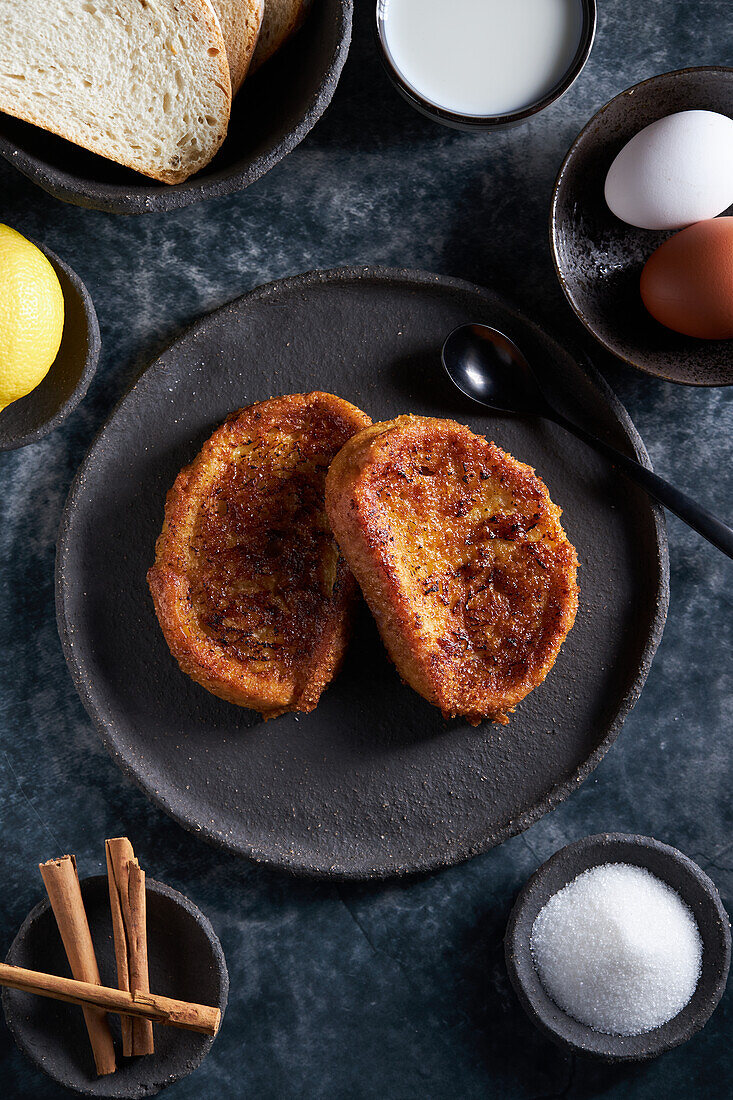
[[619, 947]]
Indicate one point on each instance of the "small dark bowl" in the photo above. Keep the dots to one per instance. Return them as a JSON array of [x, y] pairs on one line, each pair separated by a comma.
[[186, 961], [672, 867], [489, 122], [272, 113], [39, 412], [599, 258]]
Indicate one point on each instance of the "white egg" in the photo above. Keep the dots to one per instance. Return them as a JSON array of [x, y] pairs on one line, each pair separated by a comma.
[[674, 172]]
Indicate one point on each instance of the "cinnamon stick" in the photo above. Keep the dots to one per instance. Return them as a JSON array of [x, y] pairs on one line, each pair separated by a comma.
[[203, 1019], [62, 885], [127, 901]]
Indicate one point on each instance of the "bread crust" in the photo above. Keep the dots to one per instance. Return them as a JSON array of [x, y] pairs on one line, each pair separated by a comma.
[[274, 35], [460, 555], [215, 70], [252, 596], [240, 22]]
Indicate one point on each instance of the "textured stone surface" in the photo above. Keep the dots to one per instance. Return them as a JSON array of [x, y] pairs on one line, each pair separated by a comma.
[[394, 991]]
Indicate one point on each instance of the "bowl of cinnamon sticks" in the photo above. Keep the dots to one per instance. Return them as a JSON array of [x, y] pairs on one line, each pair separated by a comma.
[[148, 983]]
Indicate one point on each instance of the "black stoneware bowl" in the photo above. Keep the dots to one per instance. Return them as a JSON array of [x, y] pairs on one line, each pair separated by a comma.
[[489, 122], [599, 258], [66, 383], [186, 961], [672, 867], [274, 110]]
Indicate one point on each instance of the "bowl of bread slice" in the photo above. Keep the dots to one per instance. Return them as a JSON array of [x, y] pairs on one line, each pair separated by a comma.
[[131, 106]]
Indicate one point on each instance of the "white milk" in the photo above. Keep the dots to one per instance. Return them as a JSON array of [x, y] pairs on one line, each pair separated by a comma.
[[482, 57]]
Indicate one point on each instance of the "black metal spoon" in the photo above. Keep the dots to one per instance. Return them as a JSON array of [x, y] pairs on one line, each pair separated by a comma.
[[489, 368]]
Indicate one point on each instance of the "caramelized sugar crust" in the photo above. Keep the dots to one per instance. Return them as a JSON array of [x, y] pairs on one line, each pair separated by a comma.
[[250, 590], [461, 557]]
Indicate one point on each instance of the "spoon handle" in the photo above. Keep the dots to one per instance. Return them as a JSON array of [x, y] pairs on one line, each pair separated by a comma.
[[702, 521]]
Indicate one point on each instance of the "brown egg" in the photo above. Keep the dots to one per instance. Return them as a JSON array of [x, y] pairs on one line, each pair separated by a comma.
[[687, 284]]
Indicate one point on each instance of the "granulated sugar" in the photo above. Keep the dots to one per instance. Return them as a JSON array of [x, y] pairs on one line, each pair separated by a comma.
[[617, 949]]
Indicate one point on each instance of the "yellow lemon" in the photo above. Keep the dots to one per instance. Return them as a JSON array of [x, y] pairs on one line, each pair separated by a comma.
[[31, 316]]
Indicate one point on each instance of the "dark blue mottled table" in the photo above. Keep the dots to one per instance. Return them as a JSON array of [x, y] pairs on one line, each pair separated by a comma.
[[398, 990]]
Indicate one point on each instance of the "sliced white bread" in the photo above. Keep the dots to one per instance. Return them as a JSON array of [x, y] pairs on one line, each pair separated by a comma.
[[282, 19], [240, 22], [141, 82]]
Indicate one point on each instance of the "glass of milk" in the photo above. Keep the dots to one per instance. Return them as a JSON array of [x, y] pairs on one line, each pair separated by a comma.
[[484, 64]]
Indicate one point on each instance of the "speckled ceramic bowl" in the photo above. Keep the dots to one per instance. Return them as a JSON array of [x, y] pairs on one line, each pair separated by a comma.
[[185, 960], [599, 258], [44, 408], [272, 113], [672, 867]]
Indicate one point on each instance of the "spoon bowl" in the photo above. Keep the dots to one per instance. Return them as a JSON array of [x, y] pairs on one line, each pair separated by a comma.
[[489, 368]]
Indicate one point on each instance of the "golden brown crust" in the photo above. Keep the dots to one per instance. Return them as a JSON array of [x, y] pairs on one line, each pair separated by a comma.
[[459, 552], [240, 22], [248, 585]]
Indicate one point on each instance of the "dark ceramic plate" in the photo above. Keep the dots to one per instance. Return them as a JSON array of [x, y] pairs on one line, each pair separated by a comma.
[[272, 113], [42, 410], [695, 889], [374, 782], [186, 961], [599, 259]]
